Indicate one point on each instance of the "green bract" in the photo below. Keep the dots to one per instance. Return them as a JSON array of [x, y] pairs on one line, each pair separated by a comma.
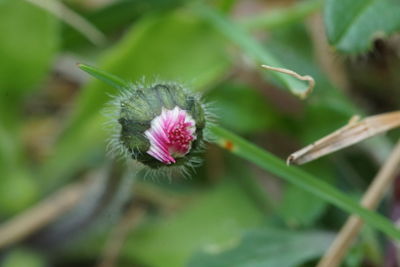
[[139, 105]]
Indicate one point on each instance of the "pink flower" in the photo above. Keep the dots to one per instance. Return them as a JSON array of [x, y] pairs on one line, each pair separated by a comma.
[[171, 135]]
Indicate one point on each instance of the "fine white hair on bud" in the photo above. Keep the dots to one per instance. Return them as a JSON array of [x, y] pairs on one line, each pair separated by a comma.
[[161, 125]]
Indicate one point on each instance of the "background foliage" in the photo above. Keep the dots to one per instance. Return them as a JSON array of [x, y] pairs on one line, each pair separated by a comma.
[[231, 212]]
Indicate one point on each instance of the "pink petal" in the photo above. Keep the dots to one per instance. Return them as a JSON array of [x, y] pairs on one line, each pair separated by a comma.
[[171, 135]]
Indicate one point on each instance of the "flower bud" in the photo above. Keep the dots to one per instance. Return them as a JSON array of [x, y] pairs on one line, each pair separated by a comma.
[[160, 125]]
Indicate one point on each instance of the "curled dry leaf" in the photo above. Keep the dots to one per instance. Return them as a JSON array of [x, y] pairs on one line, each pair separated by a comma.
[[309, 79], [355, 131]]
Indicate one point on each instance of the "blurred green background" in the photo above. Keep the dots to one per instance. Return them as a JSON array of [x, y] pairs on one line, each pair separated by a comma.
[[229, 212]]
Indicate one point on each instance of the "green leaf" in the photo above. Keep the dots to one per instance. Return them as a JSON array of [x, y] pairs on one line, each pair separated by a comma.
[[22, 257], [279, 17], [242, 108], [215, 219], [113, 17], [301, 179], [18, 190], [300, 208], [29, 41], [351, 25], [268, 248], [251, 48]]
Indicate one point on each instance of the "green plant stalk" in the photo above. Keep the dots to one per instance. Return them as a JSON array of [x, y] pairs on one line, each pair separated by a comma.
[[300, 178], [278, 17]]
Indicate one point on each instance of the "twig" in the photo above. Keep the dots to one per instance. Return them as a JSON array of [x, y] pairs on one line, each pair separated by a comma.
[[76, 21], [118, 236], [309, 79], [370, 200], [41, 214]]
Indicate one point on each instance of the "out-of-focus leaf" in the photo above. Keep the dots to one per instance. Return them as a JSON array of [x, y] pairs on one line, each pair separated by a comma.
[[267, 248], [251, 48], [18, 190], [29, 40], [241, 108], [370, 244], [114, 17], [23, 258], [300, 208], [10, 150], [216, 220], [328, 108], [279, 17], [176, 46], [351, 25], [301, 57], [300, 178]]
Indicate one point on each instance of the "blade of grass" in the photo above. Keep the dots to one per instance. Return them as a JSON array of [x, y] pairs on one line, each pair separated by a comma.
[[251, 47], [300, 178], [106, 77]]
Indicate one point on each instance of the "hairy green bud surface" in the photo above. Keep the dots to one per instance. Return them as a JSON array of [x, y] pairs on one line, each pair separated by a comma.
[[160, 125]]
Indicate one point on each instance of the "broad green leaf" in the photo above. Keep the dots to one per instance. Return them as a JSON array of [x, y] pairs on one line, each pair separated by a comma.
[[241, 108], [351, 25], [302, 57], [215, 220], [300, 208], [29, 41], [300, 178], [113, 17], [267, 247], [279, 17], [251, 48], [18, 186], [18, 190], [22, 257]]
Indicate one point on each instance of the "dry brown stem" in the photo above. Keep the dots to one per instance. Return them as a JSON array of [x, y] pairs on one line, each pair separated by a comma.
[[118, 236], [33, 219], [370, 200]]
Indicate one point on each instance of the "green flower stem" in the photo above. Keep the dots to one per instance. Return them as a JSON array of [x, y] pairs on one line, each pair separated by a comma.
[[298, 177]]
